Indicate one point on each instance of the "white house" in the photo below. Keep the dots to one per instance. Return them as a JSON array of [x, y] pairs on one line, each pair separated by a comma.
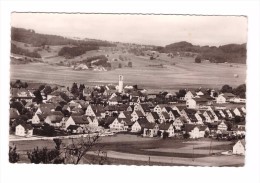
[[222, 126], [189, 95], [190, 103], [150, 130], [166, 127], [239, 147], [24, 130], [178, 123], [192, 130], [221, 99]]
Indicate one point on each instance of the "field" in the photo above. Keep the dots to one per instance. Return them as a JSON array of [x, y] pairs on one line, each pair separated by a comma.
[[132, 149], [184, 74]]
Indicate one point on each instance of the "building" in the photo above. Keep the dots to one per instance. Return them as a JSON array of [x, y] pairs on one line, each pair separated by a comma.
[[24, 130], [239, 148], [120, 84]]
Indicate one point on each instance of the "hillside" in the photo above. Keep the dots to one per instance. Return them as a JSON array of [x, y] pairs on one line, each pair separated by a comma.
[[234, 53]]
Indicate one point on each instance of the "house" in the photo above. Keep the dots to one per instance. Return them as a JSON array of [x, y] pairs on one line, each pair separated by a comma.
[[55, 99], [136, 115], [238, 112], [14, 113], [203, 129], [158, 109], [222, 126], [111, 110], [139, 125], [209, 117], [221, 99], [38, 118], [239, 148], [173, 114], [192, 130], [150, 130], [127, 123], [153, 117], [125, 114], [46, 108], [24, 130], [164, 116], [22, 94], [190, 103], [189, 95], [178, 123], [96, 111], [135, 100], [92, 121], [75, 129], [166, 127], [115, 125], [77, 120], [54, 120], [144, 108]]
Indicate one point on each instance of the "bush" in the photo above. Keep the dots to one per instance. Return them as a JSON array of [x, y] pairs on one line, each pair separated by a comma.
[[197, 60], [186, 135]]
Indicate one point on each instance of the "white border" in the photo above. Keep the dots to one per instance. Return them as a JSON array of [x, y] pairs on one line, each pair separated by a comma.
[[43, 173]]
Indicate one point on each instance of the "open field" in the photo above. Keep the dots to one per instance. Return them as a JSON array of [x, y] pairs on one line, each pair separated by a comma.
[[134, 149], [171, 77]]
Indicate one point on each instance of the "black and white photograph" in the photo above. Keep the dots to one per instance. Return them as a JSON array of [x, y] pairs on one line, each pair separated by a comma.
[[127, 89]]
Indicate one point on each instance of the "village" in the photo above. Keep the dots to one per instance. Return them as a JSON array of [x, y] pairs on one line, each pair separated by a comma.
[[48, 110]]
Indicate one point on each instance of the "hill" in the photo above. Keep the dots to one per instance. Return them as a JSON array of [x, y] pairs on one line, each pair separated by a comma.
[[235, 53]]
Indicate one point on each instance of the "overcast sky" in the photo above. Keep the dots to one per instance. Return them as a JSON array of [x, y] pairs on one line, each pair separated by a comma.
[[142, 29]]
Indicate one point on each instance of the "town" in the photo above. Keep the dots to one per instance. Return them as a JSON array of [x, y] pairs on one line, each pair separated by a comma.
[[48, 110]]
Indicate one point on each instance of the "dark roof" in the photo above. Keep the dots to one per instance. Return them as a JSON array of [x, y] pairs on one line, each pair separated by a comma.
[[164, 126], [168, 109], [202, 117], [175, 113], [189, 127], [13, 113], [26, 126], [139, 113], [166, 115], [203, 128], [142, 121], [126, 121], [190, 111], [145, 107], [228, 95], [134, 99], [192, 118], [210, 114], [80, 119], [56, 99], [200, 100], [218, 114], [122, 107], [73, 127], [109, 120], [55, 118], [155, 115], [149, 125]]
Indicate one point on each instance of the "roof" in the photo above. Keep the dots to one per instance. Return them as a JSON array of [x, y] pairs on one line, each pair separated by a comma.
[[55, 118], [155, 115], [143, 122], [175, 113], [56, 99], [203, 128], [200, 99], [13, 113], [73, 127], [122, 107], [166, 115], [168, 109], [228, 95], [126, 121], [218, 114], [190, 111], [80, 119], [149, 125], [145, 107], [110, 120], [189, 127], [22, 92], [192, 118], [164, 126], [202, 117], [26, 126], [134, 99]]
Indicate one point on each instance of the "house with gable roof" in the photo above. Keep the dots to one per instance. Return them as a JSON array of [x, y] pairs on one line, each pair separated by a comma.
[[24, 130], [168, 128], [239, 148], [150, 129], [153, 117]]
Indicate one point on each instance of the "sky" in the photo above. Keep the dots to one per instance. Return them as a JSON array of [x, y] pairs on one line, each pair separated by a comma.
[[157, 30]]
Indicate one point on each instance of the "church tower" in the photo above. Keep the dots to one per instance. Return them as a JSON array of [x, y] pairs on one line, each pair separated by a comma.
[[120, 84]]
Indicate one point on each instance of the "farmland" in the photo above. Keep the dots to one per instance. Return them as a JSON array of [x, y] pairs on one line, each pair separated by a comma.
[[137, 150], [184, 73]]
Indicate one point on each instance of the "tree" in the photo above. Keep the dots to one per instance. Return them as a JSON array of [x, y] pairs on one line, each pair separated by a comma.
[[13, 155], [17, 105], [186, 135], [38, 97], [74, 90], [198, 59], [240, 91], [47, 90], [48, 130], [130, 64], [119, 65], [226, 89], [181, 93]]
